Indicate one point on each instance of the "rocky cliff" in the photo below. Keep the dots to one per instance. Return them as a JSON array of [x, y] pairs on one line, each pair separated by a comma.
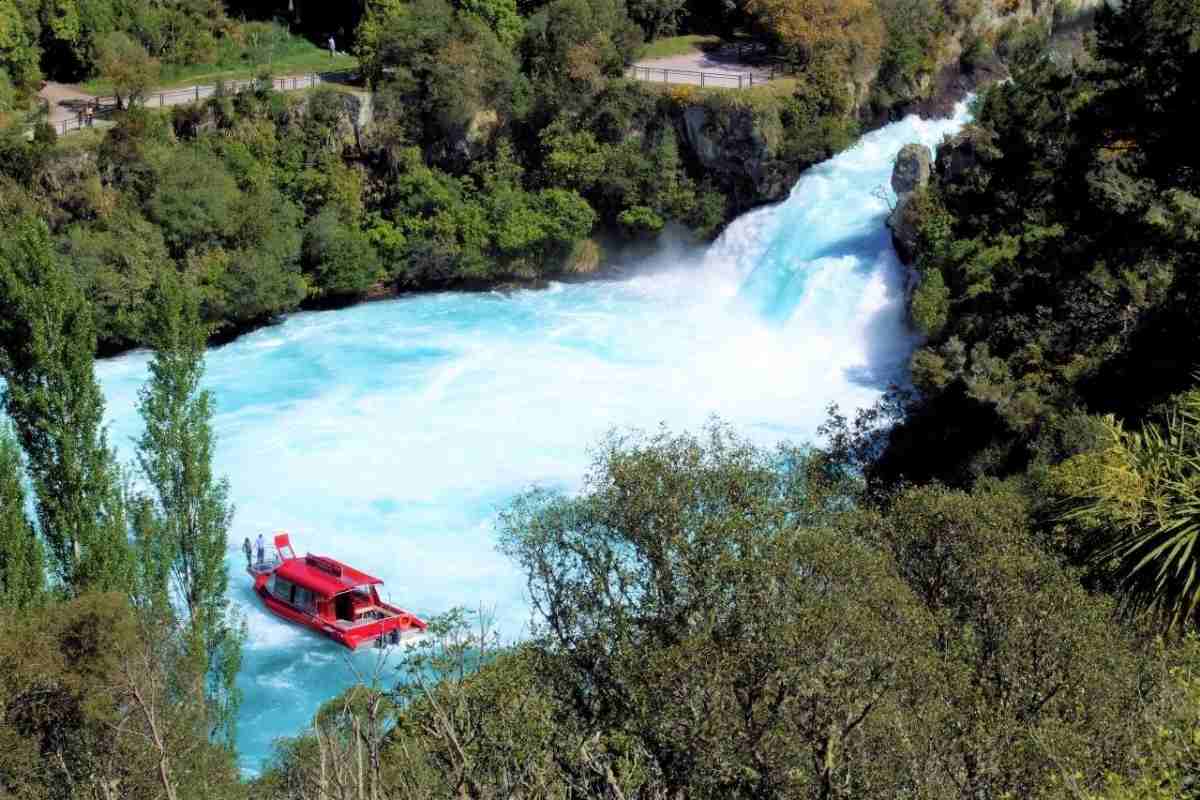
[[739, 148], [957, 156], [748, 145], [910, 175]]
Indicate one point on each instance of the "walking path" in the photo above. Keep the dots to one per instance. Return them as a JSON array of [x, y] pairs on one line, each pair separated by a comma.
[[66, 103], [63, 101], [728, 67]]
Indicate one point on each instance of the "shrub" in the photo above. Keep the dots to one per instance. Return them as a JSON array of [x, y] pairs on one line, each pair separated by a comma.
[[340, 258], [640, 222], [930, 304]]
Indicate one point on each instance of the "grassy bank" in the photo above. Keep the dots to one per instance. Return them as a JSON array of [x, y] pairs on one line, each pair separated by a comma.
[[293, 55], [679, 46]]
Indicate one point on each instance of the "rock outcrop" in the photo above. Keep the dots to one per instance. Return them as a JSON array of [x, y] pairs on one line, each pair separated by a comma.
[[734, 145], [910, 174], [345, 115], [912, 169], [473, 140]]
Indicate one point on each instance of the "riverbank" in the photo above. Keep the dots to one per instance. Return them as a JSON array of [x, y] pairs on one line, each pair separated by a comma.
[[614, 268], [328, 199]]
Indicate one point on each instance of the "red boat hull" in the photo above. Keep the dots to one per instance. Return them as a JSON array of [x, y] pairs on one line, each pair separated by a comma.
[[351, 637], [331, 599]]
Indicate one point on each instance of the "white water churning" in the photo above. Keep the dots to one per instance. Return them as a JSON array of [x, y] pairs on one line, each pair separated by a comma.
[[388, 435]]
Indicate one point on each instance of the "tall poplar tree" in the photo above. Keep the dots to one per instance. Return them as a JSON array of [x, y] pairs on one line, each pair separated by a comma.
[[188, 516], [47, 347], [22, 573]]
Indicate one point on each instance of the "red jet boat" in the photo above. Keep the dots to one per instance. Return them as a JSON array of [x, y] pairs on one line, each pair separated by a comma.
[[329, 597]]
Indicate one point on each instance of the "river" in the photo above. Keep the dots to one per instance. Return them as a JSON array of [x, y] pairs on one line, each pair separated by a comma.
[[389, 434]]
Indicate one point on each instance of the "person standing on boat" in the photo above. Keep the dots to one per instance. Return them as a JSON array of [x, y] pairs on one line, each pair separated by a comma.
[[260, 550], [246, 549]]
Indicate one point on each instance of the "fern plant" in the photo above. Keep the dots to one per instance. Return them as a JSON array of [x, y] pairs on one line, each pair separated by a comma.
[[1148, 496]]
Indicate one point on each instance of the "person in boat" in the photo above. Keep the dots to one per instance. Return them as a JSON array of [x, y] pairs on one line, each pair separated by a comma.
[[247, 550], [260, 550]]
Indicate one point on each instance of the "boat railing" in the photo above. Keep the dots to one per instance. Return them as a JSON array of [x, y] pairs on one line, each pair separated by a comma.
[[268, 563]]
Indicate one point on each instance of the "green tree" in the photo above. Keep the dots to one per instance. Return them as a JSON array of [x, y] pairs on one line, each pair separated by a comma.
[[125, 63], [691, 603], [571, 160], [49, 343], [1169, 758], [471, 84], [195, 199], [640, 222], [191, 509], [95, 706], [500, 15], [572, 46], [1029, 676], [19, 54], [22, 572], [403, 35], [259, 275], [657, 17], [823, 33], [116, 258], [340, 257]]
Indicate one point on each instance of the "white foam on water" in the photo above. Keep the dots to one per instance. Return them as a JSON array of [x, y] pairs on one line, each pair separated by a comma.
[[389, 435]]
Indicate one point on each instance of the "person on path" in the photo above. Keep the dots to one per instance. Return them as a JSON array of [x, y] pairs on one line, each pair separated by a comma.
[[246, 549], [260, 550], [332, 47]]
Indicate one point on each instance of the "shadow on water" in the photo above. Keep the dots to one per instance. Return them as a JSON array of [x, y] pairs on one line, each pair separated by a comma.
[[780, 283], [863, 244]]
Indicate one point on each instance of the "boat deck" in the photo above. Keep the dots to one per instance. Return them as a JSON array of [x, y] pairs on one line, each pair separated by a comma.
[[264, 567], [364, 619]]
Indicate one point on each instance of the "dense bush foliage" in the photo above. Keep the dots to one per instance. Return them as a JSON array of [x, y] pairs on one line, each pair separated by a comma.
[[710, 620], [1059, 245], [502, 137]]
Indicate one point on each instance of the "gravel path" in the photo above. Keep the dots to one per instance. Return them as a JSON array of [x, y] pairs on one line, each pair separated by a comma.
[[713, 68], [64, 101]]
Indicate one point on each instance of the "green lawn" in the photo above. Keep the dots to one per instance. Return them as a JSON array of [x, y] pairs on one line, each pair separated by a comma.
[[678, 45], [296, 56]]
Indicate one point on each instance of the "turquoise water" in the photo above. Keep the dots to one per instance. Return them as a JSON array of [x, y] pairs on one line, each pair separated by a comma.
[[388, 435]]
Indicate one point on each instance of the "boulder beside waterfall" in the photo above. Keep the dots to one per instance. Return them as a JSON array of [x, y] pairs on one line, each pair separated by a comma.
[[914, 165]]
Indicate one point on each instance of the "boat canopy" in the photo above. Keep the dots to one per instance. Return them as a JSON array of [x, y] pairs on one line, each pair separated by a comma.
[[324, 576]]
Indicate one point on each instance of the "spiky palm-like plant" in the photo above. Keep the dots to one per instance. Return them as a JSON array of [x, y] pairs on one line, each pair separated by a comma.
[[1149, 498]]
